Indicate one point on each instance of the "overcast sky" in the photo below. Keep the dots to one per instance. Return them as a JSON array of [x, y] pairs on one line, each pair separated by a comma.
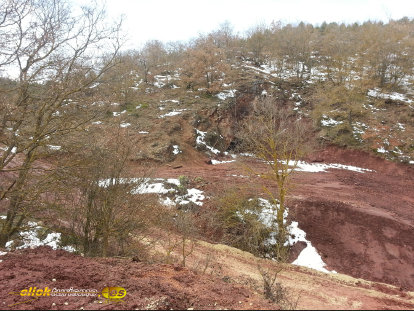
[[172, 20]]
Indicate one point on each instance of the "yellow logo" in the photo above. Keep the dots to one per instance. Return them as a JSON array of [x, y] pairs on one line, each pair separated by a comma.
[[32, 293], [111, 294], [114, 293]]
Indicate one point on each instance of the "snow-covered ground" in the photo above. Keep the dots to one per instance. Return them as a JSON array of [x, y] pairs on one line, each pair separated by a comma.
[[117, 114], [322, 167], [193, 195], [165, 188], [159, 186], [30, 239], [226, 94], [176, 149], [309, 257], [175, 101], [175, 112], [201, 136], [381, 150], [53, 147], [302, 166], [393, 96], [215, 162], [359, 128], [326, 121], [162, 80]]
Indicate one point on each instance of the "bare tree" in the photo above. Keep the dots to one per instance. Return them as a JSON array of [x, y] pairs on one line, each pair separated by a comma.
[[258, 43], [151, 56], [53, 58], [104, 210], [180, 238], [275, 135], [205, 65]]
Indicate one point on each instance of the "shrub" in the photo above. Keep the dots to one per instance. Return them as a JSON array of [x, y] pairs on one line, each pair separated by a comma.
[[183, 186], [239, 219], [275, 291]]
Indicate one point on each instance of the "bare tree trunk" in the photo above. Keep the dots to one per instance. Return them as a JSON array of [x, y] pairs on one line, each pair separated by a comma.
[[10, 226]]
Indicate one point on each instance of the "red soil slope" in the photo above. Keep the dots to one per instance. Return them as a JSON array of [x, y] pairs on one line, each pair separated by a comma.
[[148, 286], [361, 223]]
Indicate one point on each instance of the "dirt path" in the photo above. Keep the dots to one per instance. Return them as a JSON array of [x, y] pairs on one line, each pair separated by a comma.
[[315, 290]]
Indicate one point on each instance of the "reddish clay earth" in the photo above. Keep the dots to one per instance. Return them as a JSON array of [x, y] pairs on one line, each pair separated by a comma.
[[362, 224], [231, 281], [148, 286]]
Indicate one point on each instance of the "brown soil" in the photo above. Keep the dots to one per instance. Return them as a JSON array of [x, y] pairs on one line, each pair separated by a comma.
[[361, 223], [229, 280], [312, 289], [148, 286]]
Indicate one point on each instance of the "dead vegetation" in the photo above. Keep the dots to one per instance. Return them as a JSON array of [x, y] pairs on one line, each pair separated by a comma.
[[70, 126]]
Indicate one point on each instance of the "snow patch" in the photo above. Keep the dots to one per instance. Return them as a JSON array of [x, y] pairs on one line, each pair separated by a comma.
[[226, 94], [167, 202], [329, 122], [193, 195], [401, 126], [155, 187], [309, 256], [322, 167], [247, 154], [31, 239], [170, 101], [200, 140], [215, 162], [161, 186], [117, 114], [172, 113], [52, 147], [393, 96], [176, 150], [163, 80]]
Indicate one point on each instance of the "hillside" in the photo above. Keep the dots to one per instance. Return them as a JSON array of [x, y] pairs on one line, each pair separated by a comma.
[[231, 281], [182, 172]]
